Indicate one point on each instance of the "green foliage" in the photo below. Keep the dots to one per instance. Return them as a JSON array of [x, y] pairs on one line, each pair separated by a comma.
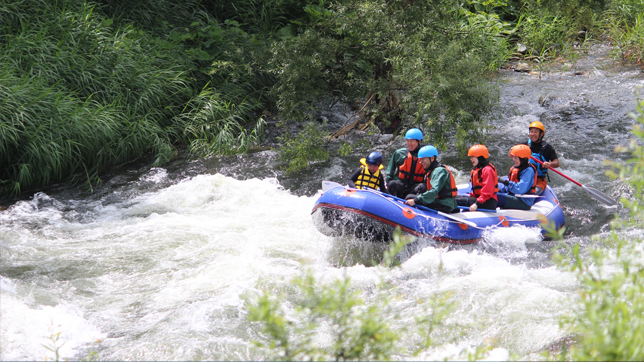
[[625, 26], [345, 149], [582, 12], [552, 232], [545, 34], [267, 17], [435, 310], [331, 321], [610, 322], [627, 11], [53, 341], [77, 97], [307, 146], [429, 55], [218, 125], [355, 331], [87, 87]]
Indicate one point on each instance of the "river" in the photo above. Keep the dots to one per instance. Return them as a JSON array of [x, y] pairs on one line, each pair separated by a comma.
[[162, 263]]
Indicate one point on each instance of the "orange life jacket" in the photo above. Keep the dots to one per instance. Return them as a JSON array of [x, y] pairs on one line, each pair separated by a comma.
[[405, 173], [516, 177], [476, 178], [446, 191]]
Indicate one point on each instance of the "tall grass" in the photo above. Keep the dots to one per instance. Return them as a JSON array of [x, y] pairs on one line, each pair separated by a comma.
[[216, 124], [81, 91], [78, 96], [625, 27]]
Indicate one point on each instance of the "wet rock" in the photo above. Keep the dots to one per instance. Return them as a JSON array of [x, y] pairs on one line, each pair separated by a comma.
[[521, 48], [522, 67]]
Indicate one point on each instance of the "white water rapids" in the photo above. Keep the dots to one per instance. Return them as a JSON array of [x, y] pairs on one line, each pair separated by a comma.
[[163, 265], [168, 275]]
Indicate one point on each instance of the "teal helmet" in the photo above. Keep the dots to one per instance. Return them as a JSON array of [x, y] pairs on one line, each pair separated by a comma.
[[414, 134], [427, 151]]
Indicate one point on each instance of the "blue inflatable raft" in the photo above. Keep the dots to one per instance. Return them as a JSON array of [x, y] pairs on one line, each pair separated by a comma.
[[372, 215]]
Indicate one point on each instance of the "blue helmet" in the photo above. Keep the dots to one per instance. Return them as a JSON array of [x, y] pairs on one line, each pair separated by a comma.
[[427, 151], [414, 134], [374, 158]]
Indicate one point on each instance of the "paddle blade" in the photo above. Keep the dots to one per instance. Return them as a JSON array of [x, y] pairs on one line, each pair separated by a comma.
[[526, 196], [599, 196], [328, 185]]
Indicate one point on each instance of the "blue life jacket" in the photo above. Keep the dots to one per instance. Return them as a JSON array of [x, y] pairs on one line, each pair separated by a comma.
[[541, 172]]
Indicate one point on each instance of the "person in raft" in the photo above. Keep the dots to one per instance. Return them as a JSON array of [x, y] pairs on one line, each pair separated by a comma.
[[368, 175], [542, 151], [483, 180], [439, 190], [405, 172], [522, 179]]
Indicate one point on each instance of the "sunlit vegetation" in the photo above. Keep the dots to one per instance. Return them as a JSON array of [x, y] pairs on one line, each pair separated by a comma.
[[338, 321], [89, 86], [625, 26]]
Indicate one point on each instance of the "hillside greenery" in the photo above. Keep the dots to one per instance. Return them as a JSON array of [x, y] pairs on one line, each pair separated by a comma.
[[87, 86]]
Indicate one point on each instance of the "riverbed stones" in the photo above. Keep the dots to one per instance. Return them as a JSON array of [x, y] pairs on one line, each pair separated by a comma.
[[522, 67]]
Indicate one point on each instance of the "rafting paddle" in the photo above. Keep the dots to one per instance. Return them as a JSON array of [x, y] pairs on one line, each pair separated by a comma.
[[328, 185], [594, 193]]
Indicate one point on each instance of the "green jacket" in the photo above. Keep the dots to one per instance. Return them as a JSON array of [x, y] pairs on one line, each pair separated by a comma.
[[439, 179], [397, 159]]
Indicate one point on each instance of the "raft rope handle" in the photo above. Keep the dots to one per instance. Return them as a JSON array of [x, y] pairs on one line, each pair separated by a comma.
[[449, 218]]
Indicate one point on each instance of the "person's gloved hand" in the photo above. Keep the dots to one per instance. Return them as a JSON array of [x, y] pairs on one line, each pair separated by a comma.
[[504, 181]]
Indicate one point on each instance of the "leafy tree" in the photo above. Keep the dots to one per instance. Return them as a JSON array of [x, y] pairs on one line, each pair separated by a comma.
[[423, 61]]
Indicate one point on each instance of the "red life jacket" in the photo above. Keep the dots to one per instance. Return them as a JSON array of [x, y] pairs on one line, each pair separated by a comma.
[[446, 191], [515, 175], [476, 178], [404, 170]]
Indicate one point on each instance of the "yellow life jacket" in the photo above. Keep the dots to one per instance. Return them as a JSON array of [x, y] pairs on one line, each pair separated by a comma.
[[366, 179]]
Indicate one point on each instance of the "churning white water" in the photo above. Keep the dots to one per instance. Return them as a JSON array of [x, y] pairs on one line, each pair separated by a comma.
[[164, 265], [169, 274]]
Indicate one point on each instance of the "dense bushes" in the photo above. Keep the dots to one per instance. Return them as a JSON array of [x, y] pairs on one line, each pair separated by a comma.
[[88, 86], [81, 91], [78, 96], [424, 61]]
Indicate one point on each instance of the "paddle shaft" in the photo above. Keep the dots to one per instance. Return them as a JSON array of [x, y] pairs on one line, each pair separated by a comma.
[[467, 208], [594, 193], [558, 173]]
